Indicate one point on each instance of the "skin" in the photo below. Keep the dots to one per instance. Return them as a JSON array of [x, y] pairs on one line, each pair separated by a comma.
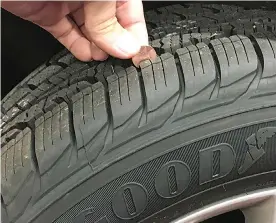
[[91, 30]]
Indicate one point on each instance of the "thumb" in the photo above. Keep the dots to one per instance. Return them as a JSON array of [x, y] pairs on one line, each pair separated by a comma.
[[102, 27]]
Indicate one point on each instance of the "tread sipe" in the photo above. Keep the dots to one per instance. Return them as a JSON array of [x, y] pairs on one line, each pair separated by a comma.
[[69, 120]]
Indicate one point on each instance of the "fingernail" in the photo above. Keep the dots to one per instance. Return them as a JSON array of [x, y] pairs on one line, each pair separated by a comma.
[[127, 45]]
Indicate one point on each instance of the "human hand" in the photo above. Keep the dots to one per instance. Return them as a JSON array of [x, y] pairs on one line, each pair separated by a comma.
[[90, 30]]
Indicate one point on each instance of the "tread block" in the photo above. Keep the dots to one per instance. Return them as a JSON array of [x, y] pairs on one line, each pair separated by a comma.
[[17, 95], [76, 67], [55, 148], [68, 58], [37, 92], [268, 50], [62, 75], [198, 68], [125, 94], [53, 81], [65, 94], [32, 113], [12, 113], [90, 118], [171, 43], [52, 136], [17, 172], [26, 101], [267, 46], [188, 38], [3, 163], [84, 75], [44, 74], [176, 43], [29, 115], [200, 82], [10, 135], [166, 41], [4, 118], [9, 160], [63, 53], [161, 84], [47, 86], [237, 61], [156, 45]]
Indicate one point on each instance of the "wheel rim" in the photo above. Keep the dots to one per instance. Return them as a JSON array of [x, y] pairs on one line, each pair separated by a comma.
[[257, 207]]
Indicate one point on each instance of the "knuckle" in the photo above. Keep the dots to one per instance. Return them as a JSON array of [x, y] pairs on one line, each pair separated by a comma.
[[103, 27]]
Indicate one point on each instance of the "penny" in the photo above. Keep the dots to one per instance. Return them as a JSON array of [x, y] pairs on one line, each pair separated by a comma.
[[145, 53]]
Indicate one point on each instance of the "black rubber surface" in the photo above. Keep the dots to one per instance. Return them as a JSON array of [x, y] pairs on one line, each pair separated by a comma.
[[106, 142]]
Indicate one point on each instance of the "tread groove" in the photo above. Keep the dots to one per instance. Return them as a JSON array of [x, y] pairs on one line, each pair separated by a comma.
[[33, 153], [110, 131], [192, 62], [271, 47], [119, 84], [143, 97], [215, 92], [200, 57], [5, 172], [13, 167], [93, 109], [244, 48], [226, 54], [164, 75], [72, 132], [127, 82], [235, 50], [181, 78], [258, 52], [21, 152], [153, 74]]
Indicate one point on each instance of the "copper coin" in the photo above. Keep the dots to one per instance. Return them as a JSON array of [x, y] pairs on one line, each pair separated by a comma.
[[145, 53]]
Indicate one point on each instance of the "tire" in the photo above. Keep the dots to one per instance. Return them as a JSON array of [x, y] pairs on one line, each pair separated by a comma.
[[106, 142]]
